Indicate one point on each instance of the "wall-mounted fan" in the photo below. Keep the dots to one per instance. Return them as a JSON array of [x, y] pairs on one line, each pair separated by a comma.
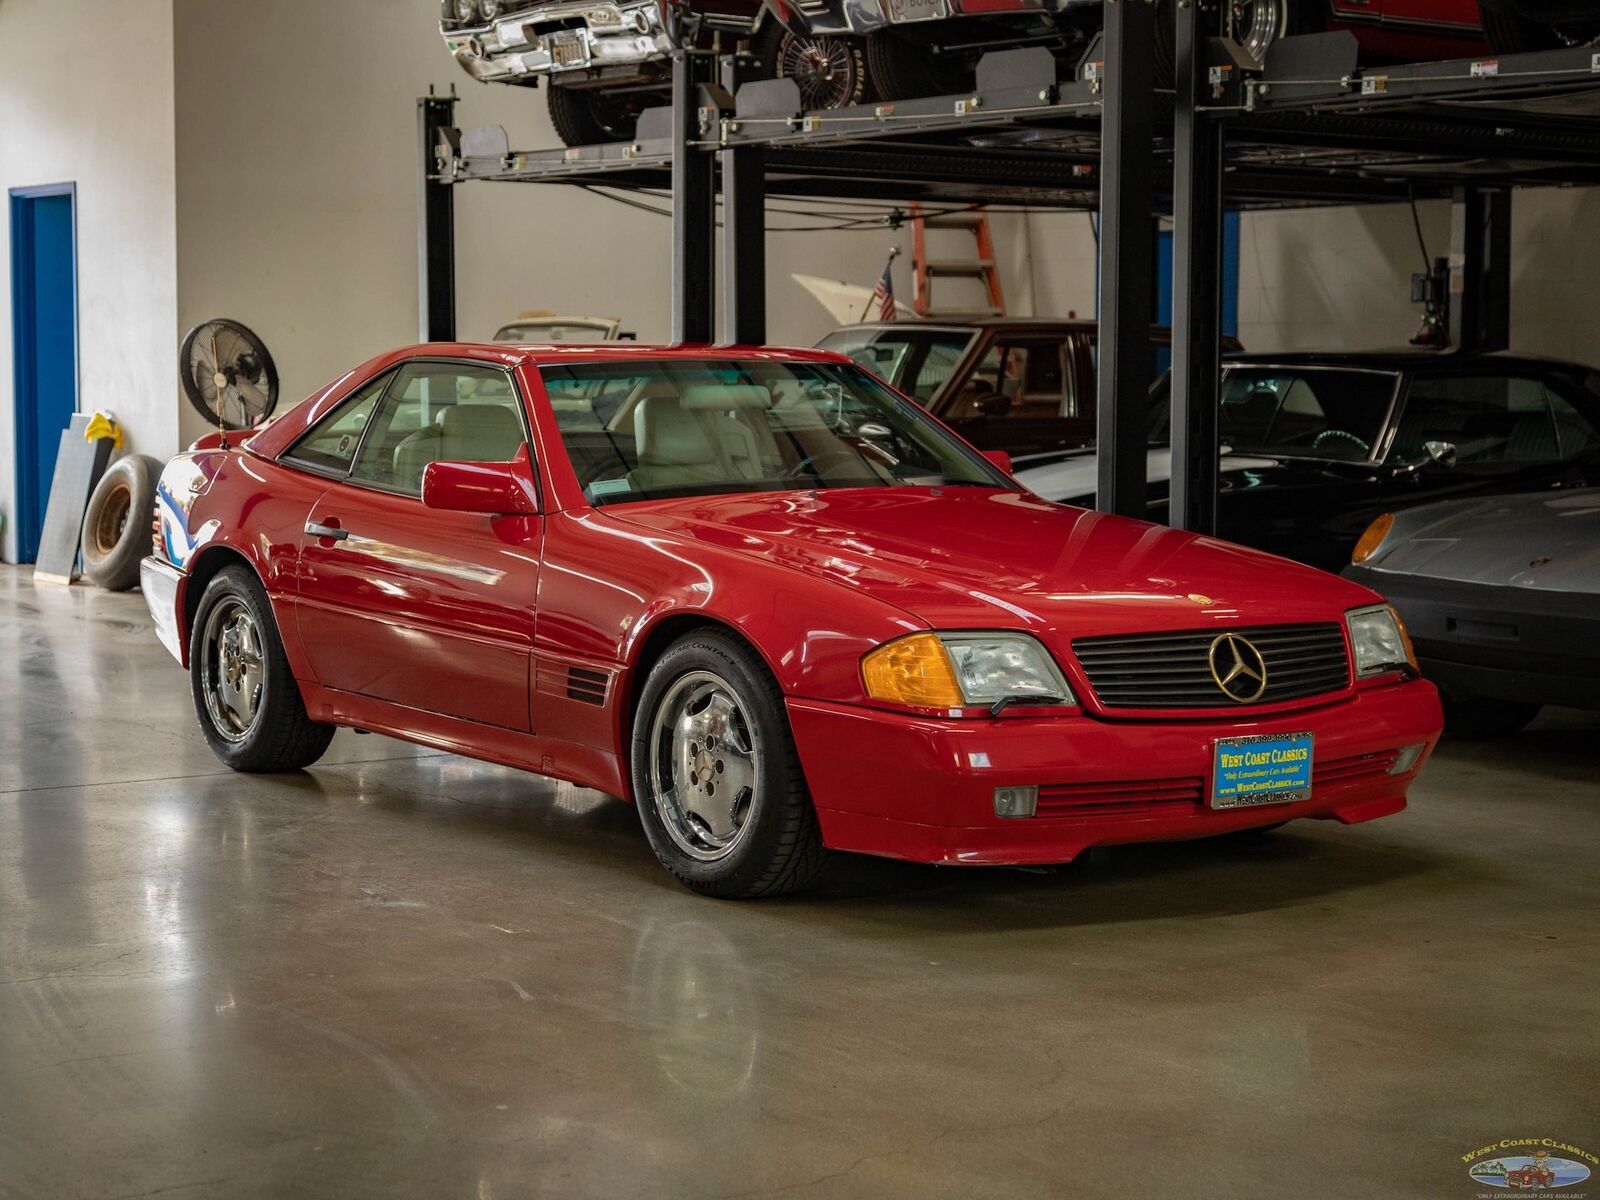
[[228, 375]]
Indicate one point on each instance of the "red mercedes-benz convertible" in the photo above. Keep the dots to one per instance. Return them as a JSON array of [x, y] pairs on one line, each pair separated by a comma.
[[773, 603]]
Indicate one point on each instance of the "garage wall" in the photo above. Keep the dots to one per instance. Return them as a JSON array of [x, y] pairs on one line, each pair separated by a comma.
[[99, 114], [296, 163], [1342, 277]]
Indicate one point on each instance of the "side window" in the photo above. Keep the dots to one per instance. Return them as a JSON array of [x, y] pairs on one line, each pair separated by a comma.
[[1488, 419], [1028, 375], [440, 411], [331, 443], [1575, 432]]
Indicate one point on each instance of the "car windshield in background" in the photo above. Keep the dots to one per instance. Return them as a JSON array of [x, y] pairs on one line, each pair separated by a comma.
[[1309, 413], [917, 361], [673, 427]]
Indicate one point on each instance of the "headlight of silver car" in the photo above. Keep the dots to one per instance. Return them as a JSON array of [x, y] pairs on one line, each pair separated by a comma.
[[1379, 641], [950, 670]]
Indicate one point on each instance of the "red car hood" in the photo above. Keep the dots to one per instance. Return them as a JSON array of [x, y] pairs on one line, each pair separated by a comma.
[[974, 558]]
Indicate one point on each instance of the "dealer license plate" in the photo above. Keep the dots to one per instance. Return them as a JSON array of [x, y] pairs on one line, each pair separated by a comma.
[[566, 49], [902, 12], [1271, 768]]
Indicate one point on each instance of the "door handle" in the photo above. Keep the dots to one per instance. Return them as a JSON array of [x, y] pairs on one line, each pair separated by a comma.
[[318, 529]]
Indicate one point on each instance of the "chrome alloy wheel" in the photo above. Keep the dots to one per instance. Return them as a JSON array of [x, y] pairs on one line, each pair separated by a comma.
[[233, 674], [1256, 24], [705, 759], [826, 69]]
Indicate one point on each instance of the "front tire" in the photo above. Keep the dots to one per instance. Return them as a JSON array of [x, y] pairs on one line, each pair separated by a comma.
[[716, 777], [245, 696]]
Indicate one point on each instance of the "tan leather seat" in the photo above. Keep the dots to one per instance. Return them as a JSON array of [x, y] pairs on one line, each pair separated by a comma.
[[465, 433], [675, 448]]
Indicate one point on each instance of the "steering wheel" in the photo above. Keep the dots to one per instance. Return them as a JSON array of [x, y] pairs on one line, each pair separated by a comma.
[[1328, 436], [822, 457]]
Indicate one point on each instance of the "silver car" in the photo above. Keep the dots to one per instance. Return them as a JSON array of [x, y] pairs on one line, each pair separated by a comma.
[[1502, 598]]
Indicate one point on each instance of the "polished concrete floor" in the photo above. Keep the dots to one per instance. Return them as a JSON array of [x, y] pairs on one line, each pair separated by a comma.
[[403, 973]]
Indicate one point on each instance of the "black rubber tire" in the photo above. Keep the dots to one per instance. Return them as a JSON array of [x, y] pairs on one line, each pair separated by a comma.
[[283, 737], [116, 525], [1305, 16], [774, 44], [1481, 719], [1511, 34], [589, 118], [783, 852], [901, 69]]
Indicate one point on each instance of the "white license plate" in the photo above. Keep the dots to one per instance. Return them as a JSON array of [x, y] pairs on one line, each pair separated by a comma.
[[566, 50], [903, 12], [1268, 768]]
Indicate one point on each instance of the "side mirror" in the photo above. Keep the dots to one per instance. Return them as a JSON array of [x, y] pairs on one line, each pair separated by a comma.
[[1000, 459], [1443, 453], [494, 489]]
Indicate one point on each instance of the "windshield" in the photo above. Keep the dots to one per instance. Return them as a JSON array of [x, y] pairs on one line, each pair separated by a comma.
[[676, 427], [917, 361], [1308, 412]]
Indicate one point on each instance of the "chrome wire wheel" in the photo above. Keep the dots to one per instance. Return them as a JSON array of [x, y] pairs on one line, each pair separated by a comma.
[[233, 673], [828, 70], [1256, 24], [704, 763]]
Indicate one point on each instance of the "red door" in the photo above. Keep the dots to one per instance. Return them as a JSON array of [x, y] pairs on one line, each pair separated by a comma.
[[429, 609], [418, 606]]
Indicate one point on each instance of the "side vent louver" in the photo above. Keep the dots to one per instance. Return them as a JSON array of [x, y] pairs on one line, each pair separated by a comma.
[[588, 686]]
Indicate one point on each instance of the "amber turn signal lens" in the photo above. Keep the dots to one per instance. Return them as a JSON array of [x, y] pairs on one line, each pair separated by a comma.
[[1405, 637], [912, 670], [1373, 538]]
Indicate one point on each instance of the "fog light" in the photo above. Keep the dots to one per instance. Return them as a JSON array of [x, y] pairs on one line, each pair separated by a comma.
[[1015, 801], [1404, 761]]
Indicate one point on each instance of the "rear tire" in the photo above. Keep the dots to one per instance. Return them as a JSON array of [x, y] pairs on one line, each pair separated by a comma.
[[1479, 718], [245, 696], [1511, 34], [716, 777], [116, 525], [1260, 24], [901, 69], [829, 70], [588, 118]]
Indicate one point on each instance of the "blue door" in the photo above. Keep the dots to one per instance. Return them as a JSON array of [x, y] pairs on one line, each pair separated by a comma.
[[44, 326]]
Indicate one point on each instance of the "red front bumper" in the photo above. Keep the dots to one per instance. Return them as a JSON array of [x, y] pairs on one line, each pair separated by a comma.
[[923, 789]]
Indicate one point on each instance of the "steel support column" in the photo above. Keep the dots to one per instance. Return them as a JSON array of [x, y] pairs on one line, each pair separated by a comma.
[[744, 234], [1480, 269], [1126, 300], [436, 228], [694, 214], [1197, 186]]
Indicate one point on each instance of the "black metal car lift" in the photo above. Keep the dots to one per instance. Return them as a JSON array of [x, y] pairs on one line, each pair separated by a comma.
[[1310, 127]]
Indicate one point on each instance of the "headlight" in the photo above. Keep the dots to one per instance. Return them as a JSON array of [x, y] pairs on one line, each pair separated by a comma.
[[951, 670], [1372, 538], [462, 10], [490, 9], [1378, 638]]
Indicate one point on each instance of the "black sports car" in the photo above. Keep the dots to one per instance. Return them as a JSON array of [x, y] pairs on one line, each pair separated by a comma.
[[1316, 445], [1502, 597]]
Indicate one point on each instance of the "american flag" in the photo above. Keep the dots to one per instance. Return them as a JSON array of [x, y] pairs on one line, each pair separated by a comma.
[[883, 294]]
